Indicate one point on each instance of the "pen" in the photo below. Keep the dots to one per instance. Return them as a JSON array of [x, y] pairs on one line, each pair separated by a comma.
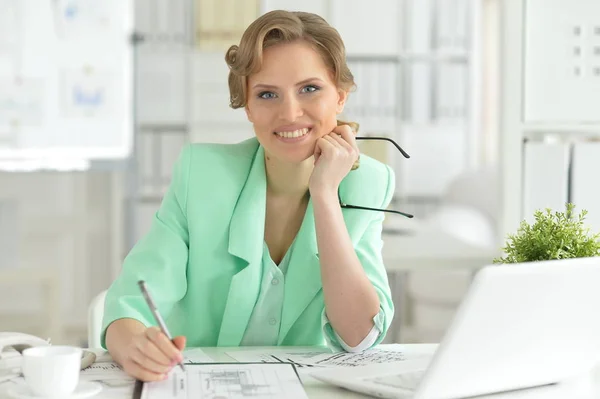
[[154, 311]]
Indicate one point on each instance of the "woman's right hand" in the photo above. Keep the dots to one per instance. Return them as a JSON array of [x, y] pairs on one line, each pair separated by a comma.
[[150, 355]]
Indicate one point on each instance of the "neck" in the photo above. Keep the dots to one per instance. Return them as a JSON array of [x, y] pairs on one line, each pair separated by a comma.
[[287, 179]]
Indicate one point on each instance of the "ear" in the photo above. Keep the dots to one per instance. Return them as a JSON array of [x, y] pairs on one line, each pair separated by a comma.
[[342, 97]]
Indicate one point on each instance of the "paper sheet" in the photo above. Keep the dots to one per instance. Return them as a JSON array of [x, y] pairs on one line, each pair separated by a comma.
[[76, 18], [103, 371], [196, 355], [232, 381], [106, 370], [88, 92], [311, 359], [21, 102]]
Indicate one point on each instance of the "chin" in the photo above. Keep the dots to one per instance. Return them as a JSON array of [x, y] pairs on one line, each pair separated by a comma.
[[291, 155], [293, 150], [294, 157]]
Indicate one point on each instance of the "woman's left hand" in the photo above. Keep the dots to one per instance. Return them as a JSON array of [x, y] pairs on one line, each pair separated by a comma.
[[335, 153]]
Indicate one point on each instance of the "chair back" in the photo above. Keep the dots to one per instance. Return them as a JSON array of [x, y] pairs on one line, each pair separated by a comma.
[[95, 314]]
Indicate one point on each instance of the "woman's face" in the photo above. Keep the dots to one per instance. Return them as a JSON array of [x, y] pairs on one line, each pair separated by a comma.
[[292, 101]]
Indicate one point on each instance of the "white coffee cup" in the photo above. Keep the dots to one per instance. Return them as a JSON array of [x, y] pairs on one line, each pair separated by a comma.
[[52, 371]]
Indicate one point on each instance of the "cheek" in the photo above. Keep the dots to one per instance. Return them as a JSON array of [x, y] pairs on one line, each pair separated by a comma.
[[326, 113], [260, 115]]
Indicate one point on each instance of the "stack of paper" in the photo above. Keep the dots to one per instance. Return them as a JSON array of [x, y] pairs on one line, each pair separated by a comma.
[[324, 358]]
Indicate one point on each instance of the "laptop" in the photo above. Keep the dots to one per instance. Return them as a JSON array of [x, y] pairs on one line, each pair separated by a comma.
[[519, 326]]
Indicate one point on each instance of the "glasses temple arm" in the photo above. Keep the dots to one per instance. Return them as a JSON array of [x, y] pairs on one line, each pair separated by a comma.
[[404, 153]]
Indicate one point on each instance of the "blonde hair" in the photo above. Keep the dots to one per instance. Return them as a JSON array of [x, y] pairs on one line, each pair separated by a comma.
[[281, 26]]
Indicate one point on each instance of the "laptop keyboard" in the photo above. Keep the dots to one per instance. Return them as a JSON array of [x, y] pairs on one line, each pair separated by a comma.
[[408, 381]]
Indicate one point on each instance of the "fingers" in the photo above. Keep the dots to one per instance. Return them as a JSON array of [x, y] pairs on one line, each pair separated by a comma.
[[148, 363], [149, 349], [342, 146], [348, 135], [344, 130], [337, 153], [329, 146], [151, 355], [179, 342], [169, 353], [331, 140], [320, 147], [140, 372], [342, 142]]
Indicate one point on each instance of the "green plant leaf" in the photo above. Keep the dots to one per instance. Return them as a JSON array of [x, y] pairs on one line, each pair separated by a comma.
[[553, 235]]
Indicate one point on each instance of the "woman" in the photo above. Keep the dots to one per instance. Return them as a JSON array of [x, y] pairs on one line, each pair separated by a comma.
[[250, 245]]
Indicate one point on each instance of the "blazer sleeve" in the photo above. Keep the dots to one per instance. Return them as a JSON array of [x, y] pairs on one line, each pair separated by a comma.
[[160, 258], [369, 252]]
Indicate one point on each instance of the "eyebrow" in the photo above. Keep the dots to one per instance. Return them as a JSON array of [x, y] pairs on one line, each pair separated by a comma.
[[265, 86]]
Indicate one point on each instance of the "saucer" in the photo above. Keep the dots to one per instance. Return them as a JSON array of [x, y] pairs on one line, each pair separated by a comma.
[[85, 389]]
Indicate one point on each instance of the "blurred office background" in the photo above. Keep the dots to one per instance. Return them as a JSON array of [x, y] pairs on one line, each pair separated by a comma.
[[98, 97]]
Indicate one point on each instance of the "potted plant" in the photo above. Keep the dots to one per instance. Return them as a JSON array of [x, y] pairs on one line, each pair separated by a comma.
[[553, 235]]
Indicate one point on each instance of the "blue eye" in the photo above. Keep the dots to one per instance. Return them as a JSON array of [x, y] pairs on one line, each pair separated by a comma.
[[265, 95], [310, 89]]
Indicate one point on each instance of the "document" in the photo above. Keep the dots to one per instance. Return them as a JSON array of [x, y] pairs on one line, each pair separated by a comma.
[[21, 102], [105, 369], [89, 93], [324, 358], [196, 355], [232, 381], [78, 18]]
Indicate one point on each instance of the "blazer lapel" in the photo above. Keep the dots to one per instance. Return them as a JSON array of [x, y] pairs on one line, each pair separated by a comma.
[[246, 236], [303, 277]]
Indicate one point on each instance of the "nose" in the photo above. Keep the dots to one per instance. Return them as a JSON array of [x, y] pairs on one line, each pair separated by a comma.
[[290, 109]]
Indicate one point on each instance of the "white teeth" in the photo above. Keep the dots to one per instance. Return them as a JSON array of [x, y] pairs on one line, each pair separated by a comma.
[[295, 133]]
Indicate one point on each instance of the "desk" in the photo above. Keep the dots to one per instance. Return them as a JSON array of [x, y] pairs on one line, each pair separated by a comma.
[[586, 387], [426, 249], [419, 248]]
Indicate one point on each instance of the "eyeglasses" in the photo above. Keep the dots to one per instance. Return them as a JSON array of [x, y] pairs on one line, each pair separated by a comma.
[[344, 205]]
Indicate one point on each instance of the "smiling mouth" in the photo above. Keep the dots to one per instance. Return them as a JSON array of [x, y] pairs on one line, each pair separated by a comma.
[[293, 134]]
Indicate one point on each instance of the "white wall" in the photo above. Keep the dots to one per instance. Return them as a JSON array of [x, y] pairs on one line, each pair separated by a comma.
[[76, 224], [441, 148], [65, 223]]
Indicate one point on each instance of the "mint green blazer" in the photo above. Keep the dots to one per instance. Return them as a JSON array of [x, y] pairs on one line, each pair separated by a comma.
[[202, 257]]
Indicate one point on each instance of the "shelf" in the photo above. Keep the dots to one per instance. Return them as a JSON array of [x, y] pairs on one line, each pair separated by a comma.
[[447, 56], [540, 131]]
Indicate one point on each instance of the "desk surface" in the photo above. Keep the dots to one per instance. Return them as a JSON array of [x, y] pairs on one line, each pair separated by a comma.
[[418, 249], [586, 387]]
